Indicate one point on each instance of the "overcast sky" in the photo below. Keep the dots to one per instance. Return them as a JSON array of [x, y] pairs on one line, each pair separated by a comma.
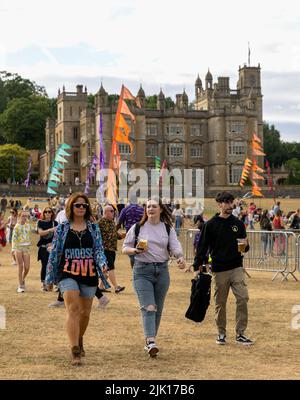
[[158, 43]]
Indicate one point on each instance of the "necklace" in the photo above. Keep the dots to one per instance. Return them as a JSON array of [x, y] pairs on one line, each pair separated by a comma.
[[79, 235]]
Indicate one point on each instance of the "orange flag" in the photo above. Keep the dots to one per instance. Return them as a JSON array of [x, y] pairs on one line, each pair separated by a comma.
[[248, 162], [256, 190], [256, 168], [129, 96], [125, 110], [256, 138], [256, 152], [256, 176], [114, 165], [122, 132]]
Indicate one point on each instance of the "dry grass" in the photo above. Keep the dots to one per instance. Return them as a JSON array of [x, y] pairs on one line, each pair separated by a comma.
[[34, 344]]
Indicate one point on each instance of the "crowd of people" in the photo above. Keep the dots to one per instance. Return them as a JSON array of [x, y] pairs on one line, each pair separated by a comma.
[[77, 247]]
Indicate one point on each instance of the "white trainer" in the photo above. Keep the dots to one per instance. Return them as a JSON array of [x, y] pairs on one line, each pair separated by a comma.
[[102, 302], [57, 304], [151, 349], [20, 290]]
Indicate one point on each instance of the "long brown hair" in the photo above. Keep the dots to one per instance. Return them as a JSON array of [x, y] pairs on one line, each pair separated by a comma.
[[165, 215], [69, 206], [52, 213]]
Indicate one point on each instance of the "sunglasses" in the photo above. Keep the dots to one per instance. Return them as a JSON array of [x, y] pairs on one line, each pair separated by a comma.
[[47, 212], [79, 205]]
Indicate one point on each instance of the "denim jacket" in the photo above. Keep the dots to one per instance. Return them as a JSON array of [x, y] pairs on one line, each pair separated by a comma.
[[58, 243]]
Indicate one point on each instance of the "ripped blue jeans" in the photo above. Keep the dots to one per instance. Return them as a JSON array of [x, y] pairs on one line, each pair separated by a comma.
[[151, 283]]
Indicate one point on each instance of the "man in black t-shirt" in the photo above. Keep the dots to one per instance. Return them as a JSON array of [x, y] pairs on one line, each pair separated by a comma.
[[220, 238]]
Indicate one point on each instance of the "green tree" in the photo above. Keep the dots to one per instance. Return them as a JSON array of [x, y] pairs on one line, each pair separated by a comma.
[[272, 145], [13, 86], [293, 166], [151, 102], [169, 102], [91, 100], [13, 162], [24, 121]]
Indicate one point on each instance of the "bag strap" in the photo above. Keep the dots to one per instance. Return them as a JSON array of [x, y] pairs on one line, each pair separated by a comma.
[[137, 231]]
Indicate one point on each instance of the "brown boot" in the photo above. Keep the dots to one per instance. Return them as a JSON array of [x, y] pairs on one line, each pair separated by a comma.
[[76, 357], [82, 352]]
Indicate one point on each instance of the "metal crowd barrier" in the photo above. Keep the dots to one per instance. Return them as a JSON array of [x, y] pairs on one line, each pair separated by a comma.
[[271, 251], [298, 252]]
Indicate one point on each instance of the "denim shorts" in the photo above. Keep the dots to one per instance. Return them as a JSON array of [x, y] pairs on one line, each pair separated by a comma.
[[68, 284]]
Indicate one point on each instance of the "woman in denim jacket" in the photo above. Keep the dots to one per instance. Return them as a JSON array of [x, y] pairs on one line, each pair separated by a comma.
[[76, 262]]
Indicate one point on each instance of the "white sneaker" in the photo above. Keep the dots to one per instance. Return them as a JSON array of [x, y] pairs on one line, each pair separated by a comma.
[[151, 349], [102, 302], [13, 263], [20, 290], [57, 304]]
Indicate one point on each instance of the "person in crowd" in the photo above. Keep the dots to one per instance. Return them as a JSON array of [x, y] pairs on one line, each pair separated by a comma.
[[59, 302], [3, 204], [129, 216], [76, 261], [251, 220], [266, 239], [178, 216], [276, 207], [2, 231], [46, 227], [10, 224], [295, 220], [280, 239], [151, 241], [220, 236], [110, 237], [21, 241], [11, 203]]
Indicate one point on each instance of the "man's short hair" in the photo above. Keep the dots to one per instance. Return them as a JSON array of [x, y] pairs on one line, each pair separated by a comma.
[[224, 197]]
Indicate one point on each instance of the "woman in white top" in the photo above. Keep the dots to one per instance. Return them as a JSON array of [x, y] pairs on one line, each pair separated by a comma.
[[21, 242], [151, 241], [178, 215]]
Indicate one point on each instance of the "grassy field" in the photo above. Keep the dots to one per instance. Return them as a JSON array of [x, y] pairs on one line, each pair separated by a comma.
[[34, 344]]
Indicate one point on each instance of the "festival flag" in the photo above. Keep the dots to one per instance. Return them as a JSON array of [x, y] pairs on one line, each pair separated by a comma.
[[245, 171], [65, 146], [114, 165], [270, 180], [50, 191], [256, 168], [256, 138], [125, 109], [122, 133], [52, 184], [257, 149], [256, 190], [91, 174], [56, 166], [27, 181], [129, 96], [256, 176]]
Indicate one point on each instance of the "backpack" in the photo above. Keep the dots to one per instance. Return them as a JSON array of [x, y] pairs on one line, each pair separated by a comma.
[[137, 231]]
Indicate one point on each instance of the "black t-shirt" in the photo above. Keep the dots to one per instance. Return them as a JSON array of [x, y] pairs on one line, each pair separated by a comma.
[[44, 225], [77, 261]]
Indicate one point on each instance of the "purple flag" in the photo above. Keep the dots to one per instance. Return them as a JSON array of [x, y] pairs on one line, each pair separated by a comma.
[[27, 180]]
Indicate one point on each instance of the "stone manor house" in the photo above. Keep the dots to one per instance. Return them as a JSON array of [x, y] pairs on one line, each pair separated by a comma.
[[214, 133]]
